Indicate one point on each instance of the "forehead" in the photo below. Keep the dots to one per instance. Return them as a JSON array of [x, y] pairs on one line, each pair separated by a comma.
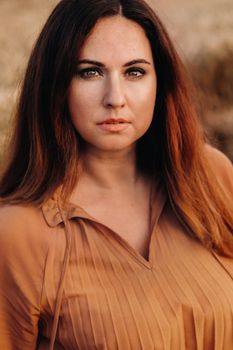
[[116, 38]]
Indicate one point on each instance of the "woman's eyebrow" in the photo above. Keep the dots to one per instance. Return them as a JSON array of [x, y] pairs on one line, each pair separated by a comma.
[[127, 64], [94, 63], [131, 63]]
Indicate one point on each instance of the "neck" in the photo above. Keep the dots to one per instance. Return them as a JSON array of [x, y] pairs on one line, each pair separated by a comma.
[[108, 169]]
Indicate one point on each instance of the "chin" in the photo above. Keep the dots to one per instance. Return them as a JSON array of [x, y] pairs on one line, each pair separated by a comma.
[[113, 146]]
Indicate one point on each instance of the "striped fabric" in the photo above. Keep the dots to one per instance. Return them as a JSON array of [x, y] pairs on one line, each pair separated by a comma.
[[180, 298], [103, 293]]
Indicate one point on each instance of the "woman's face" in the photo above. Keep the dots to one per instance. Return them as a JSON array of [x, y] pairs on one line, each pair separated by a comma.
[[112, 95]]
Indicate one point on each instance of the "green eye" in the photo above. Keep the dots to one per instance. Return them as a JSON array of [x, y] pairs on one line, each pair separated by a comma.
[[135, 72], [89, 73]]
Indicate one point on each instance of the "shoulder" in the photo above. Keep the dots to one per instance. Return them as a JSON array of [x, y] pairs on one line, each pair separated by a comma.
[[221, 166], [27, 244], [216, 157], [18, 214], [18, 221], [25, 237]]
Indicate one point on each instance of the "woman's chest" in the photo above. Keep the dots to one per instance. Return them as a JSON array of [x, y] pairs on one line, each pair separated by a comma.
[[111, 301]]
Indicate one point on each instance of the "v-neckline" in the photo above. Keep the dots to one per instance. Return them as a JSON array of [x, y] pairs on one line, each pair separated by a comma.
[[157, 202]]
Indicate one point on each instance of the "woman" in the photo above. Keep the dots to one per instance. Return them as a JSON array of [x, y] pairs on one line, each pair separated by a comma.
[[116, 219]]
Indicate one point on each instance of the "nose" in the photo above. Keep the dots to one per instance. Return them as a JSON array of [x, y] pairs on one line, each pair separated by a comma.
[[114, 96]]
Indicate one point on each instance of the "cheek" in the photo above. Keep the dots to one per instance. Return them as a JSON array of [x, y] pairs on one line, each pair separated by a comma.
[[151, 93], [83, 98], [79, 103], [76, 108], [146, 102]]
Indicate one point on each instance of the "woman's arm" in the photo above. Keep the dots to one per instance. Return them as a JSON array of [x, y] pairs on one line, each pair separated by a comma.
[[21, 279]]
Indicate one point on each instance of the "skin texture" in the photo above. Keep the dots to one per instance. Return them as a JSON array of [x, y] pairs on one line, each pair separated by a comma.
[[110, 185], [114, 91]]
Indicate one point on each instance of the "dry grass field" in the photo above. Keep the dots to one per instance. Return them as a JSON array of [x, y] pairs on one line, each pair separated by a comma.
[[203, 33], [201, 30], [20, 22]]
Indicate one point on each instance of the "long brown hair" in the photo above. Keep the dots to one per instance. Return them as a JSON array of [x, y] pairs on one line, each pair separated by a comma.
[[45, 150]]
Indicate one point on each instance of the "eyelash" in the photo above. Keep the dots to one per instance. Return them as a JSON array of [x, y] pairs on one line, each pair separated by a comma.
[[84, 73], [136, 70]]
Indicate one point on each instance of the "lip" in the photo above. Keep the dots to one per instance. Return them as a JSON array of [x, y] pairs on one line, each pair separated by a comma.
[[114, 124]]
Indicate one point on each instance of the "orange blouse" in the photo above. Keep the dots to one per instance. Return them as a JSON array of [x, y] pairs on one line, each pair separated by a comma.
[[63, 274]]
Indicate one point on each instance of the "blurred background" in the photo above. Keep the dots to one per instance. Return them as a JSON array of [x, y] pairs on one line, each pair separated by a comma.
[[201, 30]]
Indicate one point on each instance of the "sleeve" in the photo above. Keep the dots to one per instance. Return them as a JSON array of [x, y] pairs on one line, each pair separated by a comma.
[[20, 284]]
